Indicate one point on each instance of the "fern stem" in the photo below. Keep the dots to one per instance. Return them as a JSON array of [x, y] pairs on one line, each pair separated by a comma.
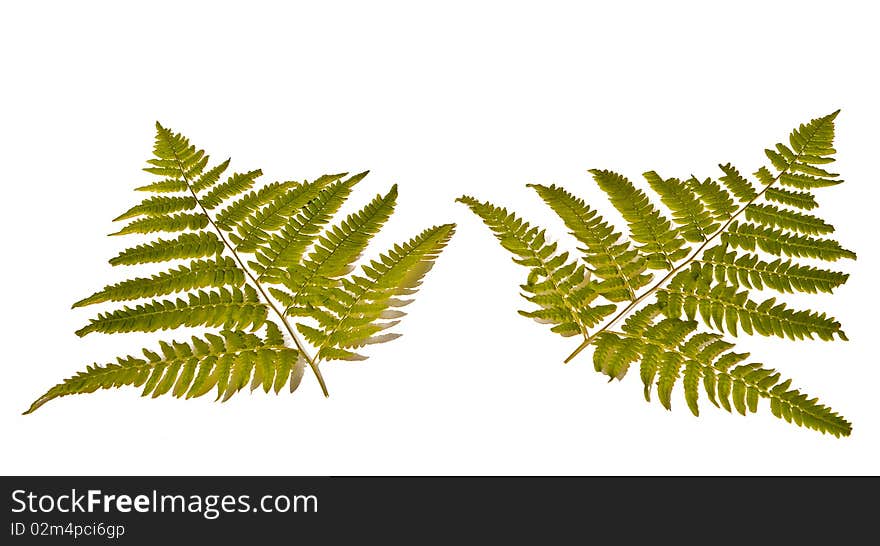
[[300, 346], [687, 261]]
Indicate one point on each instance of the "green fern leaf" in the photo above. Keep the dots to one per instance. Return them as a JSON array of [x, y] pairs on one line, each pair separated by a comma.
[[258, 226], [738, 186], [169, 185], [807, 181], [227, 363], [187, 245], [235, 185], [336, 249], [671, 349], [280, 223], [798, 199], [704, 280], [158, 206], [691, 292], [558, 286], [714, 197], [612, 259], [334, 252], [749, 271], [697, 223], [231, 308], [356, 314], [778, 243], [233, 214], [773, 216], [660, 242], [287, 248], [208, 178], [175, 157], [200, 274], [169, 224]]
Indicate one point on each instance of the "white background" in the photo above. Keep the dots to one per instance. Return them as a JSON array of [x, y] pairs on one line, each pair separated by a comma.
[[473, 97]]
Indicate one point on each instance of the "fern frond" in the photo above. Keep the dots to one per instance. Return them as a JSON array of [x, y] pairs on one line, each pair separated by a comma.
[[778, 243], [724, 308], [660, 242], [334, 252], [671, 349], [228, 363], [807, 181], [612, 259], [749, 271], [813, 142], [209, 177], [175, 157], [798, 199], [697, 224], [236, 184], [187, 245], [286, 249], [340, 245], [714, 197], [772, 216], [730, 228], [229, 308], [168, 224], [741, 188], [281, 224], [367, 304], [199, 274], [258, 226], [168, 185], [158, 206], [558, 286], [234, 213]]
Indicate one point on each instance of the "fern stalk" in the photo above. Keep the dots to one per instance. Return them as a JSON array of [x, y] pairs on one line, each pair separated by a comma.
[[259, 287], [690, 259]]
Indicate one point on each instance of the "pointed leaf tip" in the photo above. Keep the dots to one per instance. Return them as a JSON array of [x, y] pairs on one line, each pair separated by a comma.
[[392, 193], [36, 404]]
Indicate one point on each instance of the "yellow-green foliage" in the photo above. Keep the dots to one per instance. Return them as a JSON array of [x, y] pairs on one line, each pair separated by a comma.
[[720, 241], [252, 258]]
